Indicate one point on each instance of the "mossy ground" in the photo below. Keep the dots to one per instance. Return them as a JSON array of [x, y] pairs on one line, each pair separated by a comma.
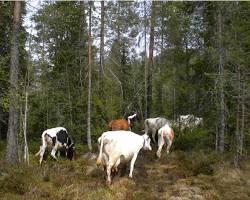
[[181, 175]]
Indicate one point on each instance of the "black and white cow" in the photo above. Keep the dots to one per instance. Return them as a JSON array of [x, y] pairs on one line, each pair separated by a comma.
[[56, 139]]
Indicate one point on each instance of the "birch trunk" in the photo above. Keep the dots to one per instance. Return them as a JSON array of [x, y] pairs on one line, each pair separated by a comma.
[[145, 64], [89, 79], [101, 70]]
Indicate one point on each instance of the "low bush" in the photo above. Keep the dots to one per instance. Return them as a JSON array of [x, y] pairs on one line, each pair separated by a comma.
[[197, 139]]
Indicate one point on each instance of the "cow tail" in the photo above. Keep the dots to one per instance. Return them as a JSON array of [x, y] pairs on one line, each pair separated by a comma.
[[43, 143], [99, 159]]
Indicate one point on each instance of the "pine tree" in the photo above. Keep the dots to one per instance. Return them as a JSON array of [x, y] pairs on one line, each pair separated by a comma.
[[11, 149]]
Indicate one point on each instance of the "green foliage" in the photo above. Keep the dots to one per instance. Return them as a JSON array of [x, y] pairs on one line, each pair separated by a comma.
[[191, 141]]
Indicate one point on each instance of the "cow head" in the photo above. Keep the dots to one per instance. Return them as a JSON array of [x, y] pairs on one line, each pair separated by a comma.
[[146, 144], [70, 148], [71, 152]]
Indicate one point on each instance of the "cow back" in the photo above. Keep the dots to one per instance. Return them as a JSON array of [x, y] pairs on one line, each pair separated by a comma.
[[119, 124]]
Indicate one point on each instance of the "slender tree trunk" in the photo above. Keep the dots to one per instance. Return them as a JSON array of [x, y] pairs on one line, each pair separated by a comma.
[[44, 68], [120, 55], [237, 132], [221, 84], [81, 43], [150, 60], [216, 137], [69, 97], [174, 99], [101, 70], [145, 63], [12, 144], [242, 118], [1, 121], [89, 80], [26, 149], [101, 83]]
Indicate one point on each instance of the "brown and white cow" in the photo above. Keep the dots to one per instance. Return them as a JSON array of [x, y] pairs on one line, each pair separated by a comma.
[[121, 124], [165, 136]]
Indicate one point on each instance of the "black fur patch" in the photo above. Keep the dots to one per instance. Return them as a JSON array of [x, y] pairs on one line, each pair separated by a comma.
[[63, 137], [71, 153], [53, 141]]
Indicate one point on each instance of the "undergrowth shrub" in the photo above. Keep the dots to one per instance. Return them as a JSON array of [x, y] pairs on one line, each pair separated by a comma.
[[197, 139], [14, 179], [200, 162]]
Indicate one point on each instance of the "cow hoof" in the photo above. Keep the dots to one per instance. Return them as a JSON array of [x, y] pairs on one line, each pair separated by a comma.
[[158, 155], [108, 183]]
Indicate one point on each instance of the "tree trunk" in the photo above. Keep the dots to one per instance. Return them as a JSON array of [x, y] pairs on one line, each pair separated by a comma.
[[119, 50], [81, 43], [242, 118], [101, 70], [145, 64], [150, 60], [26, 149], [237, 132], [45, 83], [89, 80], [69, 96], [221, 84], [12, 149]]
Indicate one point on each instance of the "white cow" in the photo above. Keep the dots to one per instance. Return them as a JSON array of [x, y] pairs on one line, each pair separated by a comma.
[[165, 135], [189, 122], [151, 125], [115, 145], [56, 138]]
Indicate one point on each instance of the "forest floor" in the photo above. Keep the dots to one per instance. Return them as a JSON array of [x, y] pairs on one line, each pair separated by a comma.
[[178, 176]]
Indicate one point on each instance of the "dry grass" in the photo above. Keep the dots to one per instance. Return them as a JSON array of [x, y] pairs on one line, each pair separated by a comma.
[[179, 176]]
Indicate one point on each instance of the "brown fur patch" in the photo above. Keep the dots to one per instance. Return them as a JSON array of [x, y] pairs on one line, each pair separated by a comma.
[[118, 124]]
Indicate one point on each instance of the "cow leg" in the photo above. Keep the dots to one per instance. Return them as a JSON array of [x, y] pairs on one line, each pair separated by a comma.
[[42, 151], [109, 168], [132, 163], [153, 135], [169, 143], [160, 145], [115, 167], [38, 153], [54, 150]]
